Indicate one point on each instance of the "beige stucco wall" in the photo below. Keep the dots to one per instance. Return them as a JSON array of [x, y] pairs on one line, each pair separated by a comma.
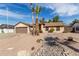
[[28, 29], [61, 29], [43, 29]]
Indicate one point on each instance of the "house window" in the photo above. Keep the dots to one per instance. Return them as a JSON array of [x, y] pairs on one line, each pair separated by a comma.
[[57, 28]]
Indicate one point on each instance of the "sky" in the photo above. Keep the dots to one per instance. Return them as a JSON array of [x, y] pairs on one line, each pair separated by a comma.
[[21, 12]]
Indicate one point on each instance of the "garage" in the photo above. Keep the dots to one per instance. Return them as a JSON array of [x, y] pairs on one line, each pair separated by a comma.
[[21, 30], [22, 27]]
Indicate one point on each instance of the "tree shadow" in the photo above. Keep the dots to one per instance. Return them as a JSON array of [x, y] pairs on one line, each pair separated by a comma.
[[67, 43], [50, 41]]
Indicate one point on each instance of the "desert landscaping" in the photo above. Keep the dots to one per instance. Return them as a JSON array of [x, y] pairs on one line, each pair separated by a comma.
[[36, 30], [28, 45]]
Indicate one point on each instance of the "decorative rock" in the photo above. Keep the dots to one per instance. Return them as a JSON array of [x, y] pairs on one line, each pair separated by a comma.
[[70, 38], [55, 50]]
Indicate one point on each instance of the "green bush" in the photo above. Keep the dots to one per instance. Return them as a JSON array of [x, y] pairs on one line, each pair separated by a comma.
[[51, 30]]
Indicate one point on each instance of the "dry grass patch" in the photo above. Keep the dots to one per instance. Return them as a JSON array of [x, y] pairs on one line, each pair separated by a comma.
[[38, 40]]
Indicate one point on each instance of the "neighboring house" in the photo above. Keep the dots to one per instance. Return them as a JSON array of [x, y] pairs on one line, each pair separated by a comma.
[[22, 28], [4, 28], [75, 27], [57, 26]]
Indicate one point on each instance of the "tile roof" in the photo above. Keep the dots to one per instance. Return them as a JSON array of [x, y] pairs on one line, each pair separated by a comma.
[[54, 24]]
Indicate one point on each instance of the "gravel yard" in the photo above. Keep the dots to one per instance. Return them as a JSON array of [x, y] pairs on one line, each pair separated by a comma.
[[26, 44], [55, 50], [70, 49]]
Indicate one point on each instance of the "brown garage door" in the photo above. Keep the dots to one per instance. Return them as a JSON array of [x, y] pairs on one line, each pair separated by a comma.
[[21, 30]]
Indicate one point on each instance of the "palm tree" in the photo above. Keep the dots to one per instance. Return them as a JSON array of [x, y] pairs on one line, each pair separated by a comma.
[[37, 10], [33, 10]]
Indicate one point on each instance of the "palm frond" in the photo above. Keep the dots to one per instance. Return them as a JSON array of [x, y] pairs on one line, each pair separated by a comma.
[[38, 9]]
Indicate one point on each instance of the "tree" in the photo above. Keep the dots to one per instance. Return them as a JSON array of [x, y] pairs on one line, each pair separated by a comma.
[[49, 20], [37, 10], [74, 21], [56, 19]]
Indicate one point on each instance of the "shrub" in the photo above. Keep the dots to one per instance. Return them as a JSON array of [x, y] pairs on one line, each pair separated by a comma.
[[51, 30]]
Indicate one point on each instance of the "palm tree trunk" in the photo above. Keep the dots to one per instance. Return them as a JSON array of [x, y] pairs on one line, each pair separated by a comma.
[[33, 23], [37, 26]]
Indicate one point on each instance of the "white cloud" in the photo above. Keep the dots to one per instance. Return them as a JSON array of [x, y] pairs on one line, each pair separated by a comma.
[[12, 14], [64, 9]]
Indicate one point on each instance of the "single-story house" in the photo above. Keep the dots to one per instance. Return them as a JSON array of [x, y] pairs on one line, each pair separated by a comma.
[[22, 28], [75, 27], [57, 26], [26, 28], [4, 28]]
